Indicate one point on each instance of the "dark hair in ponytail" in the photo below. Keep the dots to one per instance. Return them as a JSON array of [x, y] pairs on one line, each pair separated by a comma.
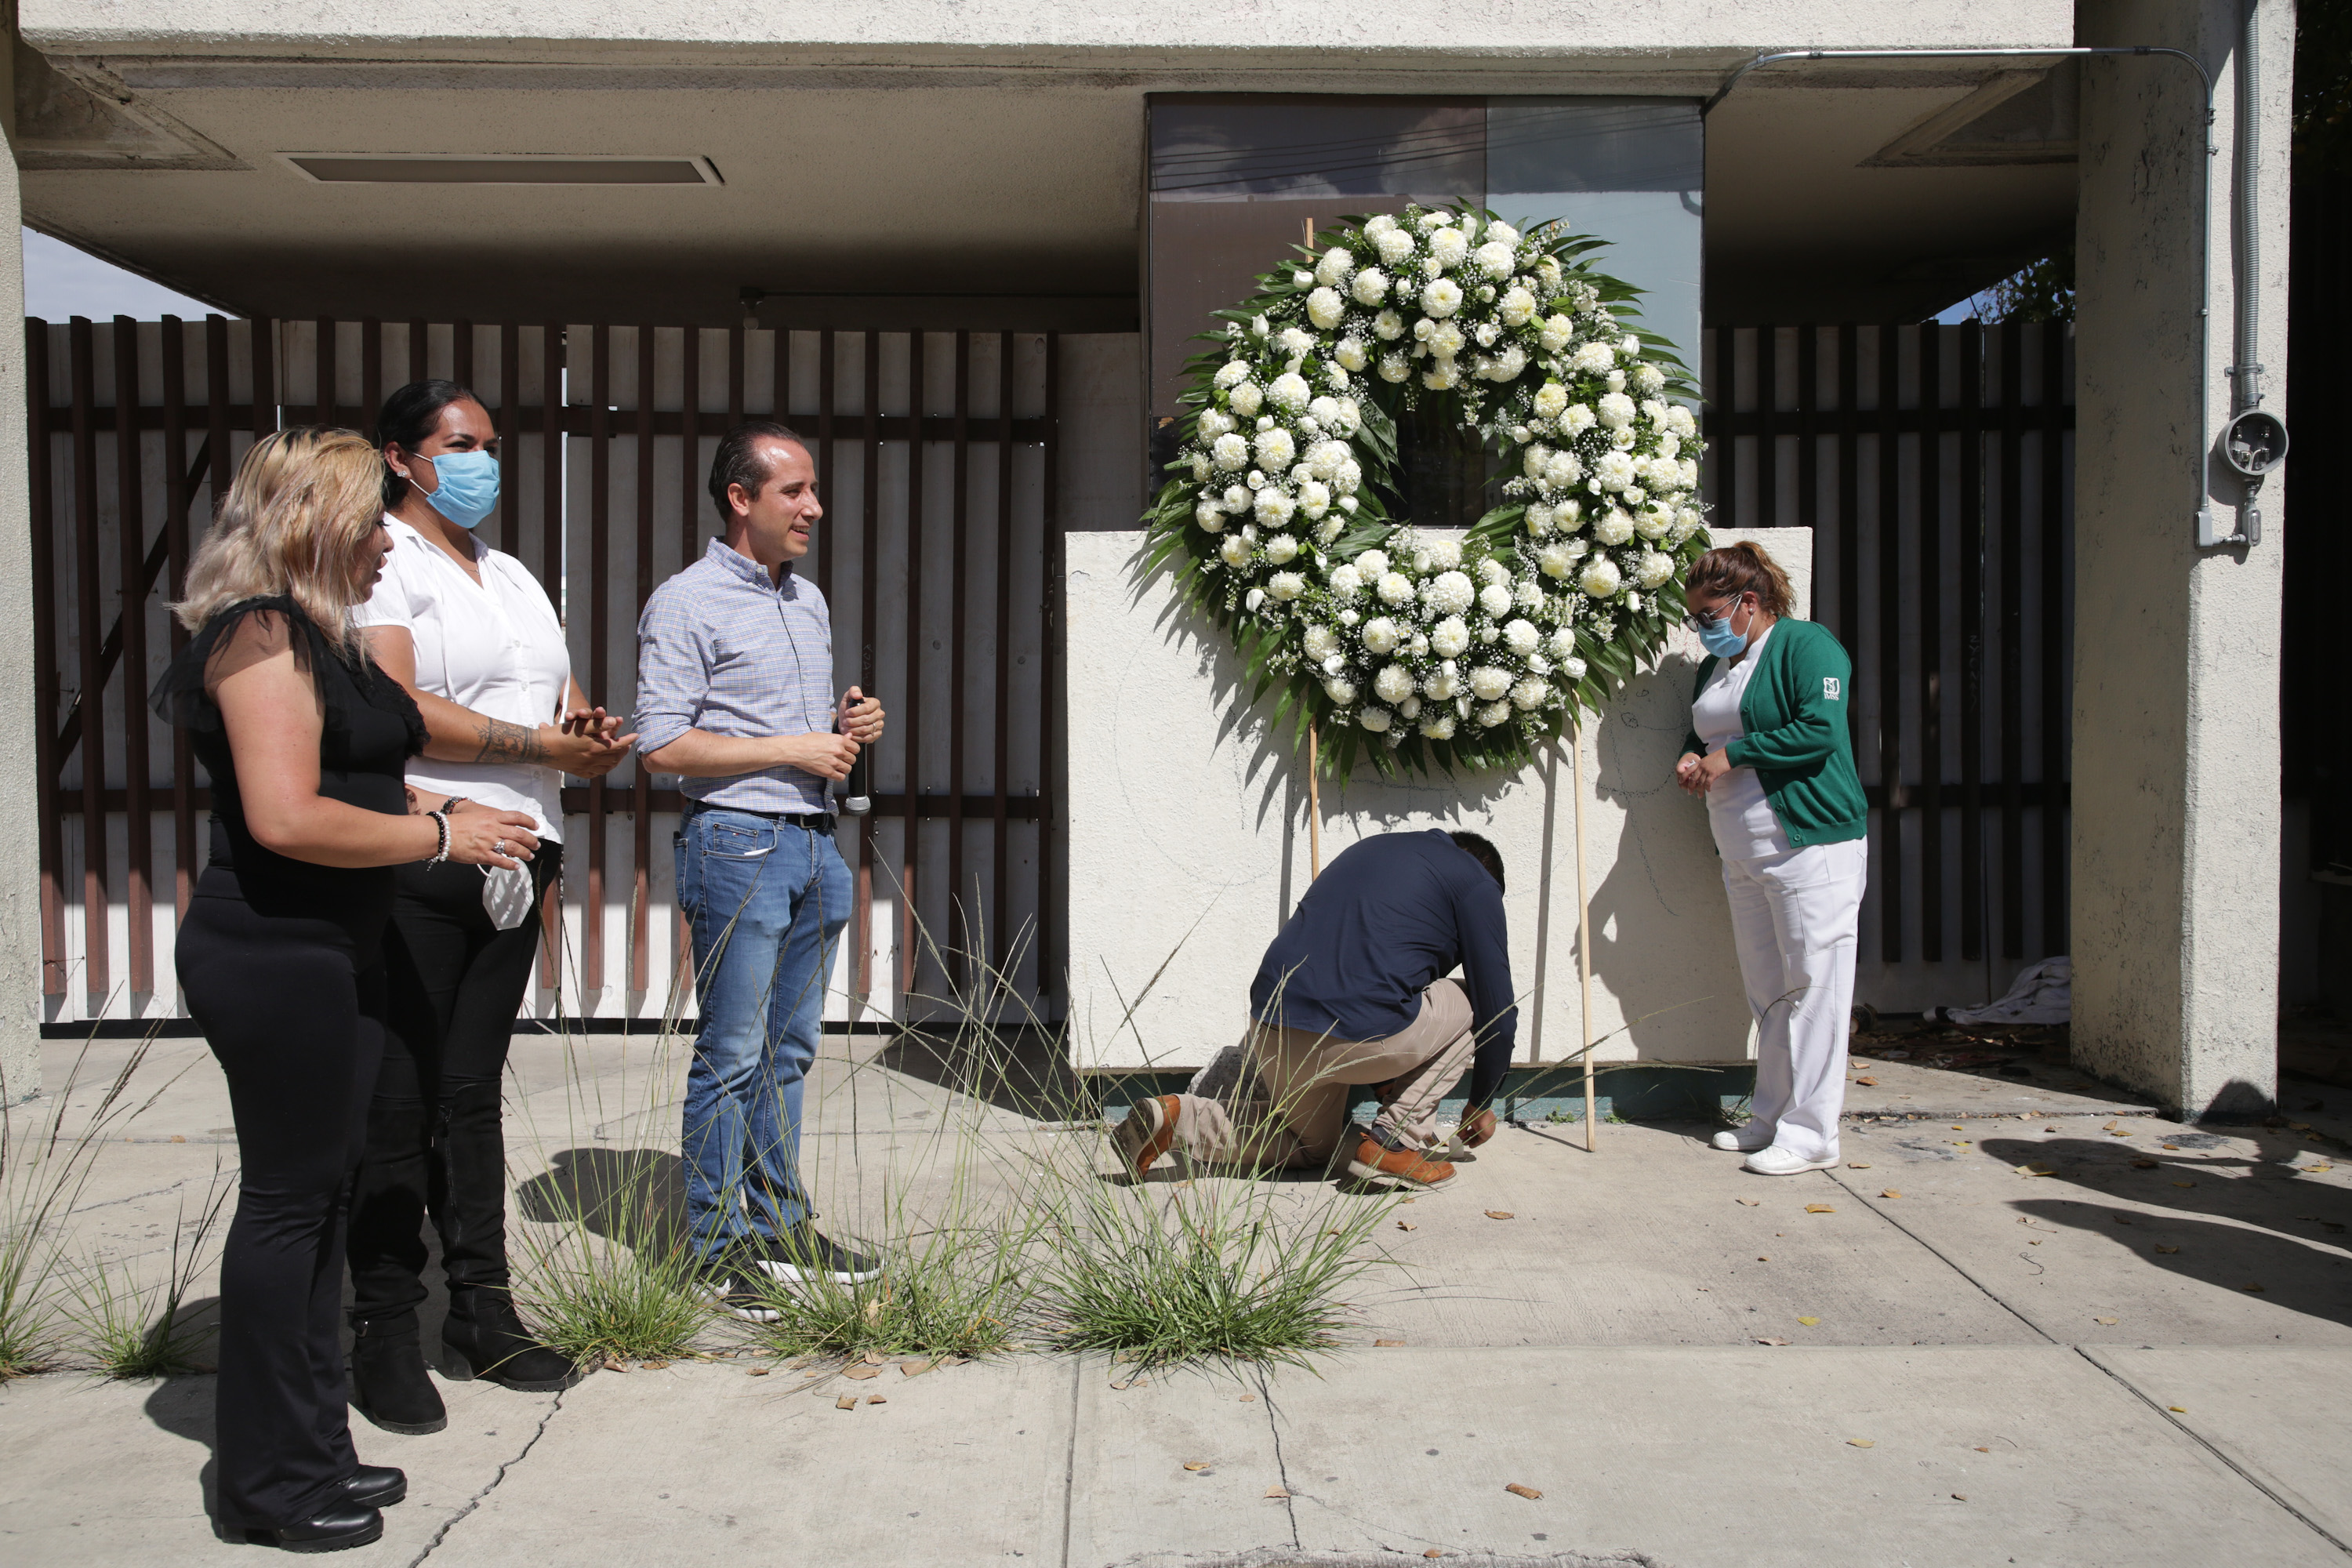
[[409, 417], [1741, 568]]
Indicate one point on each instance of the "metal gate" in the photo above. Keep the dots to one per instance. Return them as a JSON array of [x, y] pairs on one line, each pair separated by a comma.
[[1936, 466], [936, 459]]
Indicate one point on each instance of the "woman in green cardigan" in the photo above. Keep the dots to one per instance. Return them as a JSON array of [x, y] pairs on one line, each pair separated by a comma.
[[1770, 751]]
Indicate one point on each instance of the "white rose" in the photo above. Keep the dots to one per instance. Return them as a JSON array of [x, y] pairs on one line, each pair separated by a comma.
[[1487, 683], [1578, 419], [1448, 247], [1529, 693], [1289, 392], [1442, 298], [1254, 600], [1395, 588], [1521, 638], [1616, 380], [1286, 584], [1653, 569], [1438, 726], [1449, 637], [1235, 549], [1517, 308], [1210, 516], [1274, 508], [1341, 690], [1599, 579], [1324, 308], [1551, 400], [1380, 634], [1615, 472], [1275, 448], [1410, 708], [1614, 527], [1556, 334], [1245, 400], [1495, 599], [1281, 549], [1561, 643], [1573, 668], [1630, 346], [1393, 683], [1449, 592], [1376, 719], [1230, 452], [1496, 260], [1394, 245]]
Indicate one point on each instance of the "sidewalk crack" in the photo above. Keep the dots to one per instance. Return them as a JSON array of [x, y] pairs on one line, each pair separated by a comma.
[[476, 1500], [1281, 1464], [1934, 1251]]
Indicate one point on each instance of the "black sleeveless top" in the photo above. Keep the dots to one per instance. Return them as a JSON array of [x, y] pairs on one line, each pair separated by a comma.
[[369, 729]]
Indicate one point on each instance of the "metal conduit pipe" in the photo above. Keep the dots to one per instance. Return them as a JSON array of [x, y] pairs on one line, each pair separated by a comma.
[[2243, 215], [2246, 374]]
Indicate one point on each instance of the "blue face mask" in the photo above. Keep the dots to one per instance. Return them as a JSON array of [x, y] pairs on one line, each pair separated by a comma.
[[469, 486], [1719, 639]]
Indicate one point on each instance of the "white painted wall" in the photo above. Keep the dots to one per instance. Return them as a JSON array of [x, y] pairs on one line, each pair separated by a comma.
[[1188, 843], [20, 852]]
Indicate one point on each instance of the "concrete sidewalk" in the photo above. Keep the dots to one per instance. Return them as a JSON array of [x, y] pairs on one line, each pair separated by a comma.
[[1929, 1356]]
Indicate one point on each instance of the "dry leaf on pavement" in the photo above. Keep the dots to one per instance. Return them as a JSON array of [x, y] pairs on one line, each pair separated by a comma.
[[1249, 1399], [846, 1402], [2251, 1289], [1890, 1193], [873, 1358], [1276, 1492], [1196, 1464], [1500, 1214], [2178, 1410], [2184, 1184], [1386, 1344], [757, 1371], [2143, 1164], [1403, 1225], [913, 1368], [2168, 1250], [1810, 1322], [877, 1399], [1762, 1340], [1867, 1082], [1750, 1202], [1856, 1166], [1527, 1492], [861, 1372], [1862, 1442], [1819, 1208], [2108, 1321]]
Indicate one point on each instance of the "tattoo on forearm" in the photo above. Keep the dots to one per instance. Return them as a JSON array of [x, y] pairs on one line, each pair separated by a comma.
[[505, 743]]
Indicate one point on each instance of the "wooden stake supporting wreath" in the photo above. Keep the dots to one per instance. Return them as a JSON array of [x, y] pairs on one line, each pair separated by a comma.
[[1420, 651]]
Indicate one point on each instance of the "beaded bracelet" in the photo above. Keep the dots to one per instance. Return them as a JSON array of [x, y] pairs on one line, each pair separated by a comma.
[[441, 823]]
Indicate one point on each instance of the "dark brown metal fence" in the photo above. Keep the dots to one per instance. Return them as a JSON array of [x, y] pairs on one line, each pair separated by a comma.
[[1934, 464], [937, 457]]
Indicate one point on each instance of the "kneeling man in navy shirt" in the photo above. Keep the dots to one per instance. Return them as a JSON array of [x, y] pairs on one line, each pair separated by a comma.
[[1350, 993]]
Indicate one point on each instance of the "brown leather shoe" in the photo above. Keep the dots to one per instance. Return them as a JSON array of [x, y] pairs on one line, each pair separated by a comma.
[[1146, 1134], [1375, 1161]]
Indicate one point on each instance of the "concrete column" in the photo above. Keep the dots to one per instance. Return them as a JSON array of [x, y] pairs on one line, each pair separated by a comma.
[[20, 853], [2176, 764]]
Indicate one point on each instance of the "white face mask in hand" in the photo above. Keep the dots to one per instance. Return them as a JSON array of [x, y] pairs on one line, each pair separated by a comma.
[[506, 895]]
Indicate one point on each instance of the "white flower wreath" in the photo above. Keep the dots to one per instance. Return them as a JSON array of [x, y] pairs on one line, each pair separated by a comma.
[[1451, 652]]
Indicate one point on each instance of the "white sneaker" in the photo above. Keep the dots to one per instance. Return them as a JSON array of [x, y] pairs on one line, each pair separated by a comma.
[[1744, 1139], [1779, 1162]]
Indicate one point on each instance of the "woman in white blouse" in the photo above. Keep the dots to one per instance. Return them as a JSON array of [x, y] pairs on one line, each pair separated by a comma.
[[473, 637]]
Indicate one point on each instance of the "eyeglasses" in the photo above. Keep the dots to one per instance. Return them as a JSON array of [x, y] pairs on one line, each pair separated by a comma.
[[1698, 621]]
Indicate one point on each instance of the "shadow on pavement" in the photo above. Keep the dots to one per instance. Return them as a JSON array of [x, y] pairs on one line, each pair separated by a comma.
[[1020, 1070], [634, 1196], [182, 1406], [2239, 1222]]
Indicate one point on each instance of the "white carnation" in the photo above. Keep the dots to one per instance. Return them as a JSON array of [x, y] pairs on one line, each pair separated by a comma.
[[1324, 458], [1213, 423], [1688, 471], [1494, 713], [1274, 508], [1682, 421], [1599, 579], [1394, 245], [1487, 683], [1551, 400], [1281, 549], [1528, 595], [1380, 634], [1230, 452], [1210, 516], [1529, 693], [1376, 719], [1393, 683], [1341, 690], [1237, 497], [1319, 642], [1649, 379], [1314, 499], [1232, 373], [1448, 247], [1613, 527], [1370, 286], [1556, 334], [1616, 410], [1534, 458], [1275, 449], [1492, 572], [1388, 326], [1594, 357], [1395, 588], [1347, 481], [1336, 265], [1495, 260], [1517, 308], [1442, 376], [1563, 470], [1653, 569], [1654, 522], [1446, 342], [1379, 223], [1395, 367], [1445, 554], [1495, 599], [1344, 581], [1506, 365], [1351, 353], [1449, 637], [1199, 466], [1350, 417], [1438, 726], [1324, 308], [1521, 638], [1578, 419], [1433, 220], [1449, 592], [1295, 340], [1245, 400], [1615, 472], [1373, 562], [1556, 561], [1442, 298], [1441, 686], [1286, 584], [1235, 549], [1289, 392]]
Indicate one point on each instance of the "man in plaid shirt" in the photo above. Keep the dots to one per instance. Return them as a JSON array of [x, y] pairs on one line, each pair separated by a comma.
[[735, 695]]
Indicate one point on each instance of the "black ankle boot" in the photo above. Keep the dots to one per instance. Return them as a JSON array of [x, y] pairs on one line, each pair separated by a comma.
[[483, 1332], [389, 1385]]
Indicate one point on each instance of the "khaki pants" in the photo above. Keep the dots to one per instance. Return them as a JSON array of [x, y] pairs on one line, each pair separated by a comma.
[[1299, 1111]]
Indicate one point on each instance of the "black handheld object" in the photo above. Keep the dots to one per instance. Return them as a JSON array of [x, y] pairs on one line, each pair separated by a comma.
[[856, 798]]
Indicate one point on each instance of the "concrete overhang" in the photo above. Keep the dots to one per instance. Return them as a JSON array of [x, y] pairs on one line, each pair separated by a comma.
[[1006, 193]]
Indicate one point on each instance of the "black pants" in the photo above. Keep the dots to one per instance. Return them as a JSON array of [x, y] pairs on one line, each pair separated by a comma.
[[293, 1008], [434, 1142]]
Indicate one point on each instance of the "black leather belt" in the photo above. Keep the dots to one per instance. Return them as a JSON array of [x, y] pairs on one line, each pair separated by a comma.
[[813, 821]]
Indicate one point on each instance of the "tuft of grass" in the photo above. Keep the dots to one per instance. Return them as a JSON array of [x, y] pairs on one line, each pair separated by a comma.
[[960, 1296], [135, 1331], [594, 1299]]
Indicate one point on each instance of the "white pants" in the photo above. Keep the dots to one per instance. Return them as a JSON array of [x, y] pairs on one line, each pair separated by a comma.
[[1794, 916]]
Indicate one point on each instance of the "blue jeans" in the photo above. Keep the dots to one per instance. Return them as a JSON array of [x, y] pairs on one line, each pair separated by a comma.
[[767, 902]]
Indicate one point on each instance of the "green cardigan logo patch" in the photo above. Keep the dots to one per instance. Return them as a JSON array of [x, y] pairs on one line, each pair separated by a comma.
[[1829, 687]]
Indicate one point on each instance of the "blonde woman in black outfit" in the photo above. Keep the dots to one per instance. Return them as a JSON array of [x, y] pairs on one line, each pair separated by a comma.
[[279, 957]]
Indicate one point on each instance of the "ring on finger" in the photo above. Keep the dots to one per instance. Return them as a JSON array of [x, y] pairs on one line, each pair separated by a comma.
[[498, 846]]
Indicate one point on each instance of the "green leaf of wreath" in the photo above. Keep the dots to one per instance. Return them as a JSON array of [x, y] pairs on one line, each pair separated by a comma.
[[1417, 651]]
